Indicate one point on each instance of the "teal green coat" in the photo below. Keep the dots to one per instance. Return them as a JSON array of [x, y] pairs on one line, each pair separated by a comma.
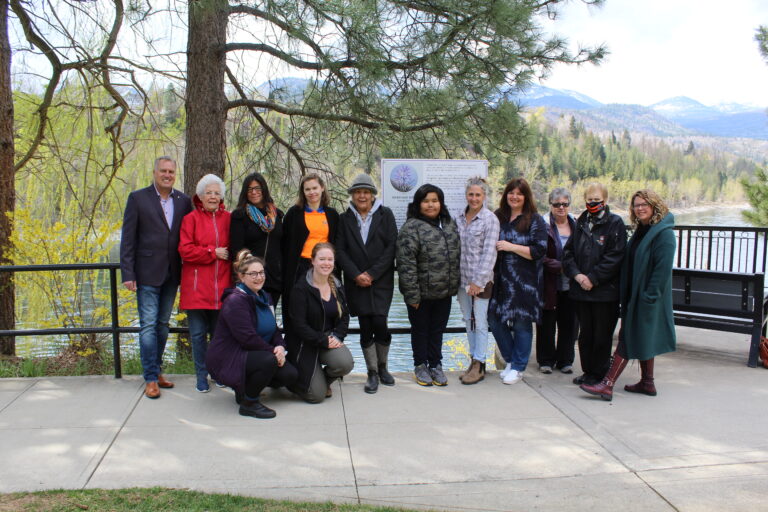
[[646, 311]]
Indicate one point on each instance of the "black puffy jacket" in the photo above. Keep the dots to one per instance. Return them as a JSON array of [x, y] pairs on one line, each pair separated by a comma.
[[598, 255]]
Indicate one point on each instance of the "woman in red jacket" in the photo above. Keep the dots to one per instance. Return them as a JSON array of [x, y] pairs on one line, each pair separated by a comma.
[[205, 270]]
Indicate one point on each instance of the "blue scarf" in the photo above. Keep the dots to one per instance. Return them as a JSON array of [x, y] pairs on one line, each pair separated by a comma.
[[266, 325], [265, 222]]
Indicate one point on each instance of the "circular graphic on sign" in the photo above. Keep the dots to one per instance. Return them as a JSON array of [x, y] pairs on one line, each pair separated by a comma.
[[404, 178]]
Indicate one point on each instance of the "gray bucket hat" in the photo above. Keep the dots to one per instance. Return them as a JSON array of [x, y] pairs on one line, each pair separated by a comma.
[[362, 180]]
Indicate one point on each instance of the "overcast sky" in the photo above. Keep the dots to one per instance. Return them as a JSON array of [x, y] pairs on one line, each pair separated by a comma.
[[664, 48]]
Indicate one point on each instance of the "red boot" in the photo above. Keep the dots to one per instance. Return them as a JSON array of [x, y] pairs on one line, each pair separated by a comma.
[[604, 388], [645, 386]]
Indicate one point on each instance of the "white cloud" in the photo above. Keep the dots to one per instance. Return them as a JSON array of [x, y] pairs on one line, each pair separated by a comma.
[[660, 49]]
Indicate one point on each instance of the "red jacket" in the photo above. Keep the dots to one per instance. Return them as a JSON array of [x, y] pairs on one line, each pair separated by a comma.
[[204, 277]]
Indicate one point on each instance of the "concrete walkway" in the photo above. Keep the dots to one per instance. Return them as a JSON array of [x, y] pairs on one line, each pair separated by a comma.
[[542, 444]]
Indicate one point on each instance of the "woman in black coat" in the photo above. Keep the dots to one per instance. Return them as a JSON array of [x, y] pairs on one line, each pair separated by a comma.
[[309, 222], [592, 261], [366, 242], [257, 225], [319, 319]]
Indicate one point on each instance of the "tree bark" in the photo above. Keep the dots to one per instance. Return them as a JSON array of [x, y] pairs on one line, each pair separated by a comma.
[[205, 101], [7, 186]]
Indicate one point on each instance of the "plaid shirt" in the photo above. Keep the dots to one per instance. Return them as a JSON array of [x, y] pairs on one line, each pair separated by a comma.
[[478, 247]]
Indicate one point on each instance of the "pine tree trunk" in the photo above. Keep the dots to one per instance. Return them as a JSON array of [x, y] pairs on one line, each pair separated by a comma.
[[205, 100], [7, 186]]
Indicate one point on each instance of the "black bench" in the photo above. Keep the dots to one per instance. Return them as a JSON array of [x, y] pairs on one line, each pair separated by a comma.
[[721, 301]]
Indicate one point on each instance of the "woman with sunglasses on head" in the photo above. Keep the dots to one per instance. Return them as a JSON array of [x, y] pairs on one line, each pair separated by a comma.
[[647, 319], [558, 314], [592, 261], [248, 352], [257, 225]]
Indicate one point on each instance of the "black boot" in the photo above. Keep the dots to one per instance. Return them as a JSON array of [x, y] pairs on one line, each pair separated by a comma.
[[256, 409], [382, 353], [372, 384], [370, 355]]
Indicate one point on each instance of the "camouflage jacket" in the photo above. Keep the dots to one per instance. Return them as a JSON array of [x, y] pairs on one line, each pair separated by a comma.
[[428, 260]]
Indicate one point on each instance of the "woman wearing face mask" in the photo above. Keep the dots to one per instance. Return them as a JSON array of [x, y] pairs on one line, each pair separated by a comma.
[[592, 261]]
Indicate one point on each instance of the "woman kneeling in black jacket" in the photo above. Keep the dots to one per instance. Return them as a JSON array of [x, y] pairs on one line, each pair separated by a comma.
[[320, 318]]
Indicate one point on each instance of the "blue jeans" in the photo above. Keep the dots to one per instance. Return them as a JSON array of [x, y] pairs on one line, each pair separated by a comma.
[[514, 340], [477, 337], [155, 305], [202, 323]]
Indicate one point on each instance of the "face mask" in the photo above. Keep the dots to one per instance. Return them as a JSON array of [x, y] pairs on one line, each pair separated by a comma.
[[595, 207]]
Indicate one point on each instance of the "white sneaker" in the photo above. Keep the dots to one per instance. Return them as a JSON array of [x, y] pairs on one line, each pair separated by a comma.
[[512, 377], [503, 373]]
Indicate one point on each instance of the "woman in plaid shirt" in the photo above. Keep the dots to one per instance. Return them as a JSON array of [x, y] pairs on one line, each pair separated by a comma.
[[479, 232]]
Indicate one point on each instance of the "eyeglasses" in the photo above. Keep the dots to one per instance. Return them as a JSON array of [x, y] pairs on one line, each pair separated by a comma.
[[641, 205], [212, 193], [254, 275], [561, 205], [254, 189]]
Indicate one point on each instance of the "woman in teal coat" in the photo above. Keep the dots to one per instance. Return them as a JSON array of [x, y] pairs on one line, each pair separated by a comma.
[[647, 323]]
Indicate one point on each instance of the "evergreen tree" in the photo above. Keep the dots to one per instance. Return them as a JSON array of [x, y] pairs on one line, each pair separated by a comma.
[[757, 189]]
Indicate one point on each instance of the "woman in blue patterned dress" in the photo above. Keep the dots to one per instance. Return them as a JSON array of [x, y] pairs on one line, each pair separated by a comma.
[[519, 279]]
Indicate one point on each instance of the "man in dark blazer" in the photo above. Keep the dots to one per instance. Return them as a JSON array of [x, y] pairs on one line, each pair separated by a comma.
[[151, 265]]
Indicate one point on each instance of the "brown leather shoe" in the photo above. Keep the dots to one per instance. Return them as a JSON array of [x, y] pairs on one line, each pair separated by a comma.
[[151, 390], [163, 382]]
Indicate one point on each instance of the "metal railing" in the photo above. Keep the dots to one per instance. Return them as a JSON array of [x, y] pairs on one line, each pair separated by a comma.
[[722, 248]]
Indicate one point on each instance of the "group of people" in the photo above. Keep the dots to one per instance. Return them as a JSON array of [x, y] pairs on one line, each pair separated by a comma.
[[511, 269]]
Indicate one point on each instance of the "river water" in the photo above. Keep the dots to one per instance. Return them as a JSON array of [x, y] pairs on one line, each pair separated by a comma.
[[455, 355]]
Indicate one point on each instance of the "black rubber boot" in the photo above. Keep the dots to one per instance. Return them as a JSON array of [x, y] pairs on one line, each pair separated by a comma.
[[382, 353], [372, 384]]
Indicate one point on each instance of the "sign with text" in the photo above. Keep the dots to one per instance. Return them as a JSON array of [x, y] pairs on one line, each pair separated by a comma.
[[400, 178]]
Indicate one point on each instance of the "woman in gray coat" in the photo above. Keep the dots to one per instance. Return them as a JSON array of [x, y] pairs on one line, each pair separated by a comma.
[[365, 244]]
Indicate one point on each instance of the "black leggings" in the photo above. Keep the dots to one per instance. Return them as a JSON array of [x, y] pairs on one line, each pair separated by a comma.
[[373, 329], [261, 370]]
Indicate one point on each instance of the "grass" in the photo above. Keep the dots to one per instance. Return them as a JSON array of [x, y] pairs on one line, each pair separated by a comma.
[[71, 364], [158, 498]]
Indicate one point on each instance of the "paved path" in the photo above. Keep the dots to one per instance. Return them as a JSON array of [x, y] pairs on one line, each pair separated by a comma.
[[700, 445]]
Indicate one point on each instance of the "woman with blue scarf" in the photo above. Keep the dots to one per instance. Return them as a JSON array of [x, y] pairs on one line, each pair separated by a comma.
[[257, 225], [248, 352]]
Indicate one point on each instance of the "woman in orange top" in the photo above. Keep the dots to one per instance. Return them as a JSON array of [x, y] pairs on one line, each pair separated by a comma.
[[307, 223]]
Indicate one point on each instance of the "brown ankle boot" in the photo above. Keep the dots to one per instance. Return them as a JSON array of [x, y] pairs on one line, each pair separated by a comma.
[[474, 375], [467, 371], [604, 388], [645, 386]]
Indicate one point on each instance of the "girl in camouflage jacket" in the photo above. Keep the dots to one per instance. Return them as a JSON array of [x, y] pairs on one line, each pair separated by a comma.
[[428, 255]]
